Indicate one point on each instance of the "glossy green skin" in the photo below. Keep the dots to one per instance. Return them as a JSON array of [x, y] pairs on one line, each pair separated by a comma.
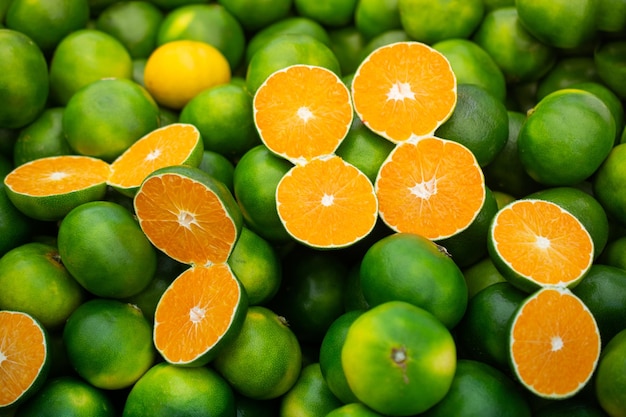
[[311, 294], [398, 359], [603, 290], [67, 396], [310, 394], [287, 50], [109, 343], [484, 331], [330, 356], [34, 280], [519, 54], [210, 23], [167, 390], [43, 137], [24, 79], [413, 269], [255, 179], [553, 23], [610, 377], [294, 24], [557, 153], [105, 250], [608, 182], [481, 390], [473, 65]]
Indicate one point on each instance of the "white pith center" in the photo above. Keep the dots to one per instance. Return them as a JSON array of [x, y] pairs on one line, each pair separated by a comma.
[[543, 242], [327, 200], [3, 357], [196, 314], [186, 219], [400, 92], [557, 343], [305, 114], [153, 155], [424, 189], [57, 176]]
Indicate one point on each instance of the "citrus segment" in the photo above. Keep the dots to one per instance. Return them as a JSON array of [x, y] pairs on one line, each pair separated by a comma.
[[433, 187], [174, 144], [23, 356], [48, 188], [551, 331], [188, 215], [196, 314], [326, 203], [404, 89], [302, 112], [535, 243]]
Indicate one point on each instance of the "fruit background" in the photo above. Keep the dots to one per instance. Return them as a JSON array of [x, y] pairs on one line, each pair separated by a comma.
[[391, 323]]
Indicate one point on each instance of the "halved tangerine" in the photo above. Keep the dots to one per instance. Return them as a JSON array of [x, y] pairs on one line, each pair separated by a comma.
[[431, 187], [327, 203], [404, 90], [302, 112]]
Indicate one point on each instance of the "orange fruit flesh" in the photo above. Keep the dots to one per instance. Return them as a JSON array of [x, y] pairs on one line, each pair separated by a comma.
[[327, 203], [195, 312], [404, 90], [543, 242], [555, 343], [23, 354], [185, 219], [303, 112], [166, 146], [57, 175], [433, 187]]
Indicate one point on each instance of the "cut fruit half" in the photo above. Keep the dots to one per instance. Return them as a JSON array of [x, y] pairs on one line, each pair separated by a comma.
[[173, 144], [187, 214], [198, 313], [326, 203], [302, 112], [24, 357], [431, 187], [404, 90], [535, 243], [194, 219], [48, 188], [554, 343]]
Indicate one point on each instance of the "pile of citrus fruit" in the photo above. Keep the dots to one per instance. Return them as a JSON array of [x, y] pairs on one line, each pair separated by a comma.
[[312, 208]]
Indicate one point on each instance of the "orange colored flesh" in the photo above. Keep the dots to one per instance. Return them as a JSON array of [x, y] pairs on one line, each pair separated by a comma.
[[403, 90], [185, 219], [195, 312], [303, 112], [23, 354], [326, 203], [433, 187], [519, 235], [57, 175], [555, 343], [167, 146]]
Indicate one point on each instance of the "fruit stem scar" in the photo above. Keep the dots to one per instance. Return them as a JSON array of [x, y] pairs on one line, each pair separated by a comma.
[[399, 357], [400, 91]]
